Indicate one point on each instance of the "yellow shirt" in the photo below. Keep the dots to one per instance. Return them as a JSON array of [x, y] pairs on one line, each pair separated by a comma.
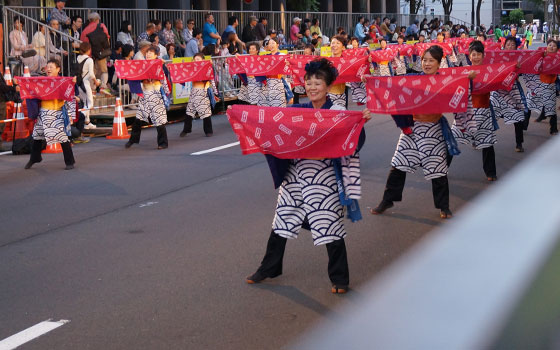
[[149, 85], [338, 89], [53, 105]]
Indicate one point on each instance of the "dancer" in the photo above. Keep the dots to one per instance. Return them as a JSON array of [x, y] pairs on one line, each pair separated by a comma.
[[52, 126], [255, 88], [424, 147], [275, 90], [309, 190], [477, 125], [199, 102], [151, 107], [546, 93], [337, 92], [511, 105]]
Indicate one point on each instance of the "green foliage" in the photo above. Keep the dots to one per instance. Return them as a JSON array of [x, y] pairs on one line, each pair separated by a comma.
[[303, 5], [515, 16]]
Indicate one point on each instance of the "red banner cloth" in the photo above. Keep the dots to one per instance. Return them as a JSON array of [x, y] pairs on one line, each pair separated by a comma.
[[139, 69], [530, 60], [360, 51], [417, 94], [46, 88], [403, 49], [551, 64], [421, 47], [264, 65], [234, 66], [378, 56], [491, 46], [490, 77], [350, 69], [191, 71], [291, 133], [463, 45]]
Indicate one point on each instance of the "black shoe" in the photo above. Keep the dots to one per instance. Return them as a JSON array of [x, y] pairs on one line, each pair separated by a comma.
[[69, 167], [128, 144], [29, 164], [519, 149], [339, 289], [384, 205], [554, 132], [183, 134], [255, 278], [445, 213], [540, 119]]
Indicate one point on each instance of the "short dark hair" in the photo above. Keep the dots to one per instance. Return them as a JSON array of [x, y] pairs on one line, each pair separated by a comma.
[[341, 38], [152, 37], [190, 20], [435, 51], [196, 31], [124, 26], [127, 49], [255, 44], [321, 69], [157, 22], [55, 62], [198, 54], [476, 46], [75, 18], [232, 20], [153, 49], [550, 41], [314, 21]]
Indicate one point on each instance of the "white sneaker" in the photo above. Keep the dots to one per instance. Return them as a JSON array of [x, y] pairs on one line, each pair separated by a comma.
[[90, 126]]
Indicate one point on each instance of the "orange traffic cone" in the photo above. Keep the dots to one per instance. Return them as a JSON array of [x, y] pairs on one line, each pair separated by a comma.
[[21, 126], [54, 148], [120, 130], [26, 72], [8, 76]]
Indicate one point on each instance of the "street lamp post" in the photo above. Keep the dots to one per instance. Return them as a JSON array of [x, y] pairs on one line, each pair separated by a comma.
[[472, 13]]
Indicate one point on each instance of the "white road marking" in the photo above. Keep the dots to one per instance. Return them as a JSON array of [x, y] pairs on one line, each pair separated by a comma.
[[149, 204], [30, 333], [7, 152], [215, 149]]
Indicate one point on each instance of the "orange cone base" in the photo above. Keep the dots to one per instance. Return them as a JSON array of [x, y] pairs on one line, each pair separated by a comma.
[[54, 148], [120, 132]]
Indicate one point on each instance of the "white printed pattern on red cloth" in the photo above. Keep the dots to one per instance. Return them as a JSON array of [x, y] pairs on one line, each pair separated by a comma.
[[417, 94], [530, 61], [291, 133], [139, 69], [264, 65], [490, 77], [191, 71], [46, 88]]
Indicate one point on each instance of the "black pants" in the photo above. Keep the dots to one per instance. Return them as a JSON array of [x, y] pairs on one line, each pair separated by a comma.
[[519, 126], [38, 145], [488, 158], [489, 161], [271, 265], [553, 123], [395, 186], [206, 125], [296, 97], [136, 131]]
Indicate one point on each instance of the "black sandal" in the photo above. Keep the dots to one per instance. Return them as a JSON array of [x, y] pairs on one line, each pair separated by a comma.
[[445, 213], [255, 278], [384, 205]]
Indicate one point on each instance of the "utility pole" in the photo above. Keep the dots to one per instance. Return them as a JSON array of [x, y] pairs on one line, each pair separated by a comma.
[[472, 13]]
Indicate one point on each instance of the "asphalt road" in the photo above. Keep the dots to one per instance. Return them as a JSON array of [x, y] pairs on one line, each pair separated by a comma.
[[148, 249]]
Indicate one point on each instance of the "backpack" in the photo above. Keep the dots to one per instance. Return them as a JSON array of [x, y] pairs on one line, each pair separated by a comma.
[[77, 69], [99, 43]]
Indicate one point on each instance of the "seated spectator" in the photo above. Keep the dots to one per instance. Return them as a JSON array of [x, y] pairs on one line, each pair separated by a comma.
[[124, 35], [281, 37], [127, 52], [167, 32], [170, 50], [39, 40], [143, 47], [188, 32], [20, 47], [54, 42], [178, 36], [193, 44], [150, 29], [161, 50]]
